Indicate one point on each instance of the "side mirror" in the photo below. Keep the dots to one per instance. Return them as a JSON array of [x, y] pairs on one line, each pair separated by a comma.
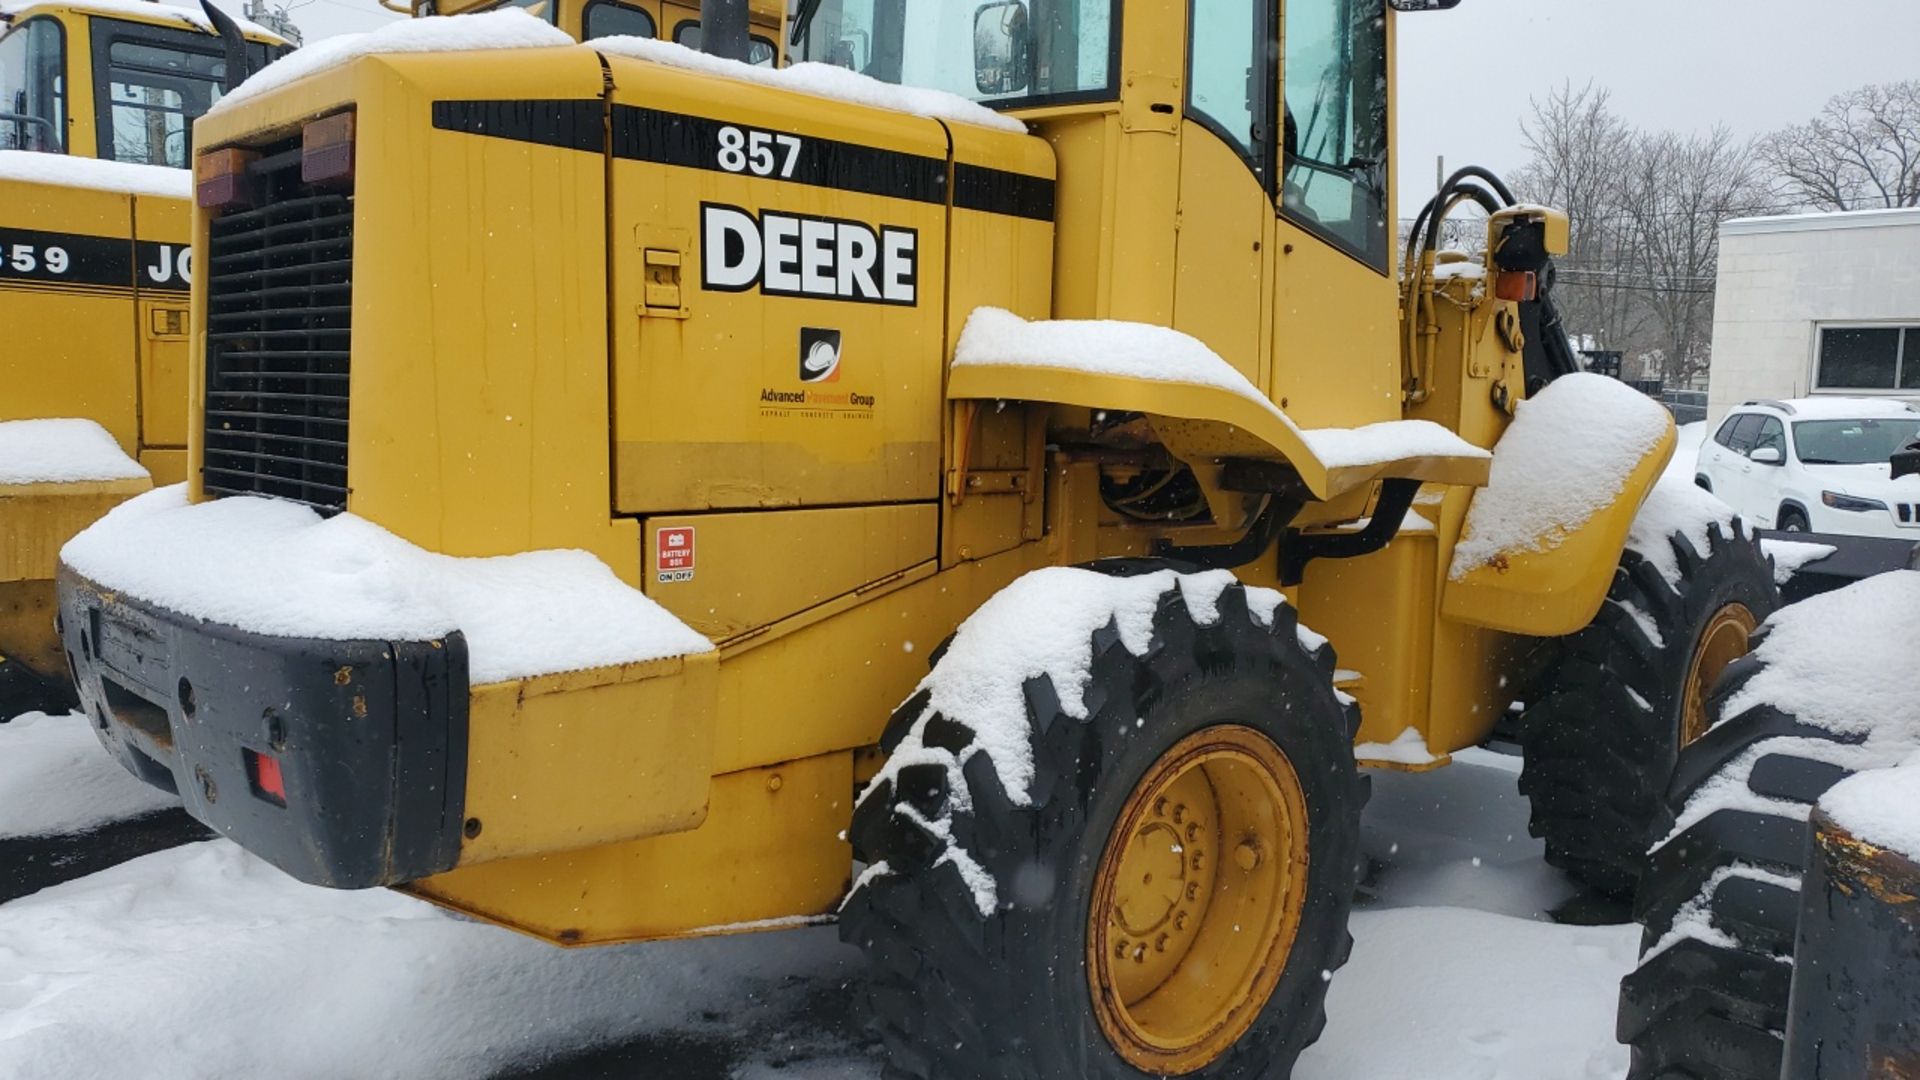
[[1002, 48], [1906, 461], [1766, 455]]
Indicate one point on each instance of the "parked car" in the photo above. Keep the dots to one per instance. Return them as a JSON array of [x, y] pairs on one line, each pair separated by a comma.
[[1816, 465]]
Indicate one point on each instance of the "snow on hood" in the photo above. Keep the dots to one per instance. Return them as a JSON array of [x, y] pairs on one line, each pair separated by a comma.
[[1565, 456], [121, 177], [507, 28], [62, 452], [277, 568], [1881, 806], [820, 80], [188, 16]]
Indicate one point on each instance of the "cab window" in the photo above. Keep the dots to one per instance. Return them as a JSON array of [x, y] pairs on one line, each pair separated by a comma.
[[1335, 124], [1228, 84], [153, 83], [33, 92], [760, 50], [1002, 53], [605, 18], [1745, 433]]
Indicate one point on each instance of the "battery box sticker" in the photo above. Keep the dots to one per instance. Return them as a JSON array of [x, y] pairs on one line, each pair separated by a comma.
[[675, 554]]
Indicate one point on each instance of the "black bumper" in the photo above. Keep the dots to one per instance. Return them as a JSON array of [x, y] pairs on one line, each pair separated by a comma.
[[370, 736], [1855, 558]]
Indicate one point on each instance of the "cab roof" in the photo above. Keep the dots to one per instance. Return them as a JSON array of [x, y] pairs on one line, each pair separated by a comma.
[[151, 12]]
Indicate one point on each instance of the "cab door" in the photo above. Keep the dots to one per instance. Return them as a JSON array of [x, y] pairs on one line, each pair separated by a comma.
[[1226, 158]]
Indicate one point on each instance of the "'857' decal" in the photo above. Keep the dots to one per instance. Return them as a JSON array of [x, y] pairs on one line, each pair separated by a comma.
[[103, 261]]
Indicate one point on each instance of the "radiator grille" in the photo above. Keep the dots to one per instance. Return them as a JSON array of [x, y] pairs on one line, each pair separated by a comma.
[[279, 306]]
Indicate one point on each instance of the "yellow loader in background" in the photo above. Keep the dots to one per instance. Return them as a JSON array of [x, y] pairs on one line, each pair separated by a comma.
[[1073, 334], [97, 103]]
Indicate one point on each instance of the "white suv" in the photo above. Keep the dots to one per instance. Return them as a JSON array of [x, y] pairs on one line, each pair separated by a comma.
[[1816, 465]]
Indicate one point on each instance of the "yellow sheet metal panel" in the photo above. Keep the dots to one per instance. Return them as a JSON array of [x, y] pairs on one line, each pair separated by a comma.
[[726, 574], [1557, 590], [167, 466], [1219, 284], [1336, 345], [560, 763], [1378, 612], [164, 229], [66, 300], [805, 366], [35, 521], [772, 847], [479, 376]]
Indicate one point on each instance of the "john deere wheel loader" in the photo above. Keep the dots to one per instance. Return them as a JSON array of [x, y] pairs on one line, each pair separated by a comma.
[[1114, 388], [97, 102]]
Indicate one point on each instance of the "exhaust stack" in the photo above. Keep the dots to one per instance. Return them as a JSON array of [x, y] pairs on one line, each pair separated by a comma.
[[723, 29]]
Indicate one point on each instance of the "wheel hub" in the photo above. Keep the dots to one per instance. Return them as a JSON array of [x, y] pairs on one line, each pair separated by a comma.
[[1727, 638], [1193, 917]]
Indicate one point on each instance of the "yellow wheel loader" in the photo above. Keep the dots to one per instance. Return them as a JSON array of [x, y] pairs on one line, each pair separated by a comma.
[[635, 494], [97, 103]]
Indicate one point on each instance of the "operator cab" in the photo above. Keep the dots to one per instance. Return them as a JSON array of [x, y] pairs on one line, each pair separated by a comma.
[[153, 73]]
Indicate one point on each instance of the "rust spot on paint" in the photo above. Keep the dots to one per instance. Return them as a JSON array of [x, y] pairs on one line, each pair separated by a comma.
[[343, 676], [360, 706]]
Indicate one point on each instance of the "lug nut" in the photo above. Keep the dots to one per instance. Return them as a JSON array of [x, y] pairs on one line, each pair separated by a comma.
[[1247, 856]]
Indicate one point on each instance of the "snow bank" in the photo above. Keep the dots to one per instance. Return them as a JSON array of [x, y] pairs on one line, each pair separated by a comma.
[[278, 568], [204, 962], [62, 170], [1101, 347], [1677, 507], [819, 80], [1410, 748], [1038, 626], [1881, 807], [506, 28], [1686, 450], [188, 16], [55, 779], [1375, 444], [1448, 994], [62, 452], [1565, 456], [1790, 555]]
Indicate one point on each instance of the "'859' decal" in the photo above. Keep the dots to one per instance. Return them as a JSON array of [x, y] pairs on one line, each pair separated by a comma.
[[101, 261]]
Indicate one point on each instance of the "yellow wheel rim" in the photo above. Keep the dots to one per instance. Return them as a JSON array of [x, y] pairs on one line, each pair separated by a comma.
[[1725, 640], [1197, 900]]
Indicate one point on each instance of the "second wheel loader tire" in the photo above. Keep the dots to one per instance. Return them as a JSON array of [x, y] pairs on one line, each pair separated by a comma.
[[1721, 899], [1169, 893], [1608, 721]]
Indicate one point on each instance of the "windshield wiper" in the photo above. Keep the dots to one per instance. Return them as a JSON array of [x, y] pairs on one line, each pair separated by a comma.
[[802, 19]]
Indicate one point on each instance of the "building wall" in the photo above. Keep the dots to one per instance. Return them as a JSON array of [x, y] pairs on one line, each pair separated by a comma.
[[1781, 277]]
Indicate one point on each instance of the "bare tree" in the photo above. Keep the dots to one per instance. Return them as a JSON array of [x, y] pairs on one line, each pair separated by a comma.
[[1673, 195], [1863, 150], [1578, 149]]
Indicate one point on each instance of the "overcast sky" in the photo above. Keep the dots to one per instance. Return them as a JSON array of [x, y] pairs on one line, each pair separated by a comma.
[[1753, 65], [1466, 75]]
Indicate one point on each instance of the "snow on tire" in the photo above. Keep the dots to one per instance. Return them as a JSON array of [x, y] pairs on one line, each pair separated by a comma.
[[1827, 692], [1608, 720], [1032, 770]]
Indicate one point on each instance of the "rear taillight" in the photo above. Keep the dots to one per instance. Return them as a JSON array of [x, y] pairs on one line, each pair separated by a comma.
[[263, 776], [220, 179], [326, 150]]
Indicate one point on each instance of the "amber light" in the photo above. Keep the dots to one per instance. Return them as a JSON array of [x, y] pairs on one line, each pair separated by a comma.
[[220, 179], [1519, 285], [326, 150]]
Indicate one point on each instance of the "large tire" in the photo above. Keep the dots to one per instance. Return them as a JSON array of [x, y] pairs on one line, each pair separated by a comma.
[[1721, 897], [1606, 724], [1007, 993]]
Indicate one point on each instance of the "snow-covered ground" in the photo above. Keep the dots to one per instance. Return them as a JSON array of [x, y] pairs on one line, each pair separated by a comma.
[[204, 963]]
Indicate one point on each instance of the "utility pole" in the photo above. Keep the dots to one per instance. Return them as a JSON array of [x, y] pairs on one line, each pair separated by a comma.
[[275, 19]]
